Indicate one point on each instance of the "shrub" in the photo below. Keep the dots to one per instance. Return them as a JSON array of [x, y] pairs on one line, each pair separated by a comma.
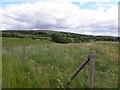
[[60, 39], [76, 40]]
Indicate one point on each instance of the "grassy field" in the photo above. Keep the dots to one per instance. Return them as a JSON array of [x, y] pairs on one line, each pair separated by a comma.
[[50, 65]]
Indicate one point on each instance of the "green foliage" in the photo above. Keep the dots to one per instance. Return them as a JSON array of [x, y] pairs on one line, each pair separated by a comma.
[[76, 40], [50, 65], [63, 37], [59, 38]]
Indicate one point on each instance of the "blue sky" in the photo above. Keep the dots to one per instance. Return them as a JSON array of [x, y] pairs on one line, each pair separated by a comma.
[[87, 5], [96, 17], [9, 2]]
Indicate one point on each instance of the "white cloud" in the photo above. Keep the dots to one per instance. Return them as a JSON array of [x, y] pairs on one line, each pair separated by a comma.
[[2, 27], [60, 16]]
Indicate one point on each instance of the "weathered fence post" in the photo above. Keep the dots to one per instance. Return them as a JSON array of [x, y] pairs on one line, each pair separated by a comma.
[[23, 54], [91, 69], [91, 60]]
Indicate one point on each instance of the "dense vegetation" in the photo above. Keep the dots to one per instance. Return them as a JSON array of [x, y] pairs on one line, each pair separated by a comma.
[[50, 65], [60, 37]]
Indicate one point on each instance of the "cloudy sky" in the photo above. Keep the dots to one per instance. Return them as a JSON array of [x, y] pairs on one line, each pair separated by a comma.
[[92, 17]]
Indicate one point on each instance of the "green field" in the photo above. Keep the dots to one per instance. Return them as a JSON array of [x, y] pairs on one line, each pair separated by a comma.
[[50, 65]]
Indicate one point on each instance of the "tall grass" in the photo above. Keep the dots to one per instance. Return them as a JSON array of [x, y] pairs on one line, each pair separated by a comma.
[[50, 65]]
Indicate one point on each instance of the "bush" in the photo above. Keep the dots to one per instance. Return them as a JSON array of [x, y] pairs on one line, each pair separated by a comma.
[[76, 40], [60, 39], [67, 40]]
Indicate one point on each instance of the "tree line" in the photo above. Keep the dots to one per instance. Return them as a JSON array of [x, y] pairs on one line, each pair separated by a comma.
[[59, 37]]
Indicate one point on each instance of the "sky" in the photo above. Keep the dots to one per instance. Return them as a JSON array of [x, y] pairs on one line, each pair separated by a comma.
[[91, 17]]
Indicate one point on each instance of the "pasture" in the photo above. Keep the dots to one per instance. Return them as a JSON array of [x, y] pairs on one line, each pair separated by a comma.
[[50, 65]]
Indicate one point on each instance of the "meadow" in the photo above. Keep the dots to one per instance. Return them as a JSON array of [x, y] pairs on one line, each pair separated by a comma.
[[50, 65]]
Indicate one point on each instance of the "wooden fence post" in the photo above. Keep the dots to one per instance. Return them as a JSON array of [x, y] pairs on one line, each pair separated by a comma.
[[23, 54], [91, 69], [91, 60]]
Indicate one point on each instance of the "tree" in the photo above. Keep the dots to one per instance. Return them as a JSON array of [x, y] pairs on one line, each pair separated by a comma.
[[59, 38], [76, 40]]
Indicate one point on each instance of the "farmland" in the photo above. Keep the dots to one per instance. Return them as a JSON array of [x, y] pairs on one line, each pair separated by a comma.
[[49, 65]]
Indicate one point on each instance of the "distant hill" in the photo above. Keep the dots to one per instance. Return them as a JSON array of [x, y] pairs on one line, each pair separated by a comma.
[[47, 35]]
